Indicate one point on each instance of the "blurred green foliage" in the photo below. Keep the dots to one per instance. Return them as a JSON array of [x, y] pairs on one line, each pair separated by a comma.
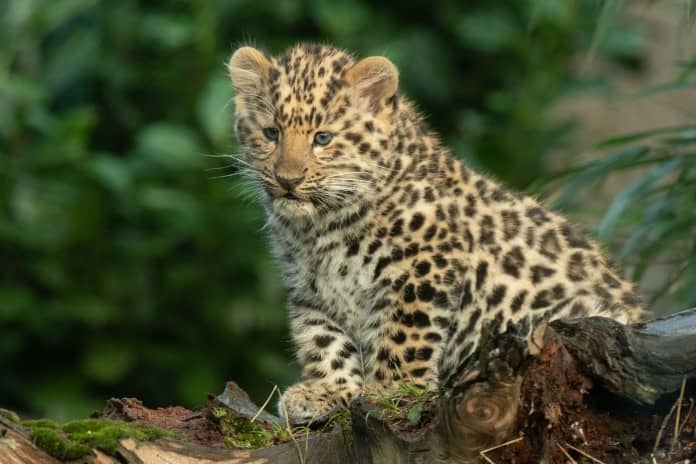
[[651, 221], [127, 270]]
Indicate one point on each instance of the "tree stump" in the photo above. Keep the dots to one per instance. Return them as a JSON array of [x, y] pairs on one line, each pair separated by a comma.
[[585, 390]]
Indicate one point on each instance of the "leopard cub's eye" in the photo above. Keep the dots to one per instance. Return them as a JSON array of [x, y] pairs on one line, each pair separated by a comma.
[[271, 133], [323, 138]]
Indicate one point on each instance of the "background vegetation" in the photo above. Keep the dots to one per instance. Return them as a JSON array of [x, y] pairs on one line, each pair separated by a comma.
[[126, 270]]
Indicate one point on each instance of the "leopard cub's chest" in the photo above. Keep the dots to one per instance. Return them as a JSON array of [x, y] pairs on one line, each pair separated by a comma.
[[340, 283]]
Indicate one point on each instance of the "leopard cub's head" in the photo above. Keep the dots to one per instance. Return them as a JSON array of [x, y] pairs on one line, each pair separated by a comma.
[[313, 125]]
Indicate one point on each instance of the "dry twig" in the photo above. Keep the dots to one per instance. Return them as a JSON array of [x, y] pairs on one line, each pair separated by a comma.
[[482, 453], [592, 458]]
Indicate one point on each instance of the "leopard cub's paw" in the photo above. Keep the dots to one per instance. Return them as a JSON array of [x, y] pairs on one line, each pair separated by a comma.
[[307, 403]]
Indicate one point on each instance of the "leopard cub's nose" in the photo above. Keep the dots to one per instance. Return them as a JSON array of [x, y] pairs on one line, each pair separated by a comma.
[[289, 184]]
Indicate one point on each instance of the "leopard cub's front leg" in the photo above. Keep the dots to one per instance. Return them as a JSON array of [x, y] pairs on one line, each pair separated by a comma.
[[331, 372]]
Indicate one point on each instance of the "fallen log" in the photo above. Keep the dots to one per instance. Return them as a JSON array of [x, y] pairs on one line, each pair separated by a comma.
[[586, 390]]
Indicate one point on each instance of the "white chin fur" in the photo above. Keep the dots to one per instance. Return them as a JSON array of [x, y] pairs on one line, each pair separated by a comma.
[[292, 208]]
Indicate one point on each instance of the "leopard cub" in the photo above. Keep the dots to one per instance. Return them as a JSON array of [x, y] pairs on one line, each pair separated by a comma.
[[395, 253]]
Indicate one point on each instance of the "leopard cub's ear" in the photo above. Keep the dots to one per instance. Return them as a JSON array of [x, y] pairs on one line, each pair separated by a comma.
[[248, 67], [375, 79]]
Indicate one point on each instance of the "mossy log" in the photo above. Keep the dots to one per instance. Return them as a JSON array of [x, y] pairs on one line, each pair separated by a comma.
[[578, 390]]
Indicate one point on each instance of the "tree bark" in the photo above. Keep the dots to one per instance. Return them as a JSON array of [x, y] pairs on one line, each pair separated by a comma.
[[578, 390]]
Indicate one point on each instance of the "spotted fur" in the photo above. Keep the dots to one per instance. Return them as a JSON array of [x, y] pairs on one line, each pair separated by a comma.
[[395, 253]]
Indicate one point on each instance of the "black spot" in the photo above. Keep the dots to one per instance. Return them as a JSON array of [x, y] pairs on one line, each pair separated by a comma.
[[602, 292], [444, 247], [630, 299], [441, 299], [337, 364], [370, 126], [511, 224], [397, 228], [322, 341], [578, 309], [433, 337], [428, 195], [381, 304], [574, 238], [381, 264], [487, 230], [425, 291], [467, 296], [439, 260], [317, 373], [496, 297], [549, 245], [430, 232], [518, 301], [610, 280], [349, 347], [471, 324], [353, 247], [537, 215], [540, 273], [422, 268], [374, 246], [411, 249], [409, 293], [576, 267], [424, 354], [481, 273], [353, 137], [410, 354], [513, 261], [420, 319], [541, 300], [416, 222], [399, 337], [442, 322], [470, 209], [420, 372], [399, 282]]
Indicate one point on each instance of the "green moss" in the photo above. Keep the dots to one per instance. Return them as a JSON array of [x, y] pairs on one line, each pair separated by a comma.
[[404, 403], [76, 439], [12, 417], [241, 432], [343, 419]]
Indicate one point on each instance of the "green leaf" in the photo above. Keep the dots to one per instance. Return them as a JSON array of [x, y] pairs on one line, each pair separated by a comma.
[[662, 88], [635, 136], [107, 362], [171, 146], [414, 414], [215, 109], [606, 21], [632, 194], [599, 170]]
